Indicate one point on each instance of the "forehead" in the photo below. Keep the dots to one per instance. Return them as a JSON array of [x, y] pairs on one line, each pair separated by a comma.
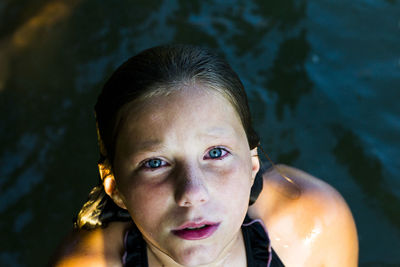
[[190, 110]]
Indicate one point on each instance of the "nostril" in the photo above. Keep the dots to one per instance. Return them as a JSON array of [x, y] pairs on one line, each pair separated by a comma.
[[186, 204], [191, 194]]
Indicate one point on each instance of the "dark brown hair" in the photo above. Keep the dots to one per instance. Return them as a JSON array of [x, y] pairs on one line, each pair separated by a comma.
[[160, 70]]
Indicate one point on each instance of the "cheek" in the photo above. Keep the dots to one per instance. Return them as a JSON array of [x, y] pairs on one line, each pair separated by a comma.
[[235, 181], [233, 195], [147, 203]]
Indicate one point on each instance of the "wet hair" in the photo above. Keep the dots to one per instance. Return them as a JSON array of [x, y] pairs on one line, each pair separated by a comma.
[[160, 71]]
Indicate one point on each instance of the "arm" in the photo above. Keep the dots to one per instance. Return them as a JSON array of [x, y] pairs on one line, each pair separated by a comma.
[[338, 243], [97, 247], [309, 222]]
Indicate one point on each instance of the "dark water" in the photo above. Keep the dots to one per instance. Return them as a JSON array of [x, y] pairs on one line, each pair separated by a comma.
[[323, 79]]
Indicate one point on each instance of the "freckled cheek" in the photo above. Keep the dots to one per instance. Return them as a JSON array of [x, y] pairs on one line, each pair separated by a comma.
[[147, 202]]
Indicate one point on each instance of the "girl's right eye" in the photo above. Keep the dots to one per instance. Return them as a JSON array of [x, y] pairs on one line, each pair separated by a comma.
[[154, 163]]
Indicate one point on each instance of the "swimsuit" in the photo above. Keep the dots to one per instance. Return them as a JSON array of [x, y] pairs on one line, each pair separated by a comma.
[[259, 252]]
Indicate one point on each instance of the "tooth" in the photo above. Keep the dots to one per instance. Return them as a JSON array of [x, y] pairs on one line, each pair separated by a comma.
[[194, 228]]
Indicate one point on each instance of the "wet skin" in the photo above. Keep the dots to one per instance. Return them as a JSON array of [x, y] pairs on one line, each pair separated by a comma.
[[290, 219], [190, 150]]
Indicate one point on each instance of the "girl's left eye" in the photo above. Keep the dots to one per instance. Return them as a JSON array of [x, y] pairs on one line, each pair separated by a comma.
[[216, 153], [154, 163]]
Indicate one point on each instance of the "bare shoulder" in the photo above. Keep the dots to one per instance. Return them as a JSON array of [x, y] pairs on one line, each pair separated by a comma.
[[309, 222], [97, 247]]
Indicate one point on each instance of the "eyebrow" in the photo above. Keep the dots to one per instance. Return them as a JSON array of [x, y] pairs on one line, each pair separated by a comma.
[[217, 132], [148, 145]]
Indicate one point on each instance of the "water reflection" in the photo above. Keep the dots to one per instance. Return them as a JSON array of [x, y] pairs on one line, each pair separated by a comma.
[[288, 77], [30, 30], [367, 172], [253, 21], [55, 56], [50, 14], [289, 157], [284, 14]]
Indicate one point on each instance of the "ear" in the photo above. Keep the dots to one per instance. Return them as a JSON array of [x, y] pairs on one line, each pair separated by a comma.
[[255, 163], [110, 186]]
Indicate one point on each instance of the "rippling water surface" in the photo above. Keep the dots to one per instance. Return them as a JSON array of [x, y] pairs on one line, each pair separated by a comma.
[[323, 78]]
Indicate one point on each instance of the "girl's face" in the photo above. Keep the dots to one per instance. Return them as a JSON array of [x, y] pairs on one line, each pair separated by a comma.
[[184, 170]]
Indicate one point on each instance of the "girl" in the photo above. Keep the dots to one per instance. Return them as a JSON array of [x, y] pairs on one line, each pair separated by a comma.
[[178, 167]]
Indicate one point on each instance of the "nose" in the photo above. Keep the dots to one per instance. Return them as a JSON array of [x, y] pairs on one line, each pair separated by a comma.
[[191, 189]]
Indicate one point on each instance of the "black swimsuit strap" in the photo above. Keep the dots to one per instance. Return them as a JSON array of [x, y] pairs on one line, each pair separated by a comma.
[[258, 250], [135, 249]]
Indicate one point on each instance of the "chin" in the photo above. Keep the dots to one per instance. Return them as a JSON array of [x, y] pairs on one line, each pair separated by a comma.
[[196, 256]]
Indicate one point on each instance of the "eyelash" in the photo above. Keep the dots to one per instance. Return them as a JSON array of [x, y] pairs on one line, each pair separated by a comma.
[[224, 153], [147, 162]]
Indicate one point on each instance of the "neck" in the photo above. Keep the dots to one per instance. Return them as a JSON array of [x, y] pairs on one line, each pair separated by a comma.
[[233, 255]]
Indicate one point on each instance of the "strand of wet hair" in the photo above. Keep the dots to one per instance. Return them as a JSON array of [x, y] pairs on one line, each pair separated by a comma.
[[284, 176]]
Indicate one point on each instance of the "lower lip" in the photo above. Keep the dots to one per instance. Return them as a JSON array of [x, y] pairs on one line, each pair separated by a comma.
[[196, 234]]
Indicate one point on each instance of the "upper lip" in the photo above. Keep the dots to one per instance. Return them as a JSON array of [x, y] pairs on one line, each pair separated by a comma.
[[193, 224]]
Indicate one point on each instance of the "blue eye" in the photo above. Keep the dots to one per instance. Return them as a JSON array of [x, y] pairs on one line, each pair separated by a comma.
[[215, 153], [153, 163]]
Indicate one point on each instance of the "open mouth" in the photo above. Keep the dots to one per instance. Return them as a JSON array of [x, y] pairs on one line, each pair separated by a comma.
[[196, 233], [196, 228]]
